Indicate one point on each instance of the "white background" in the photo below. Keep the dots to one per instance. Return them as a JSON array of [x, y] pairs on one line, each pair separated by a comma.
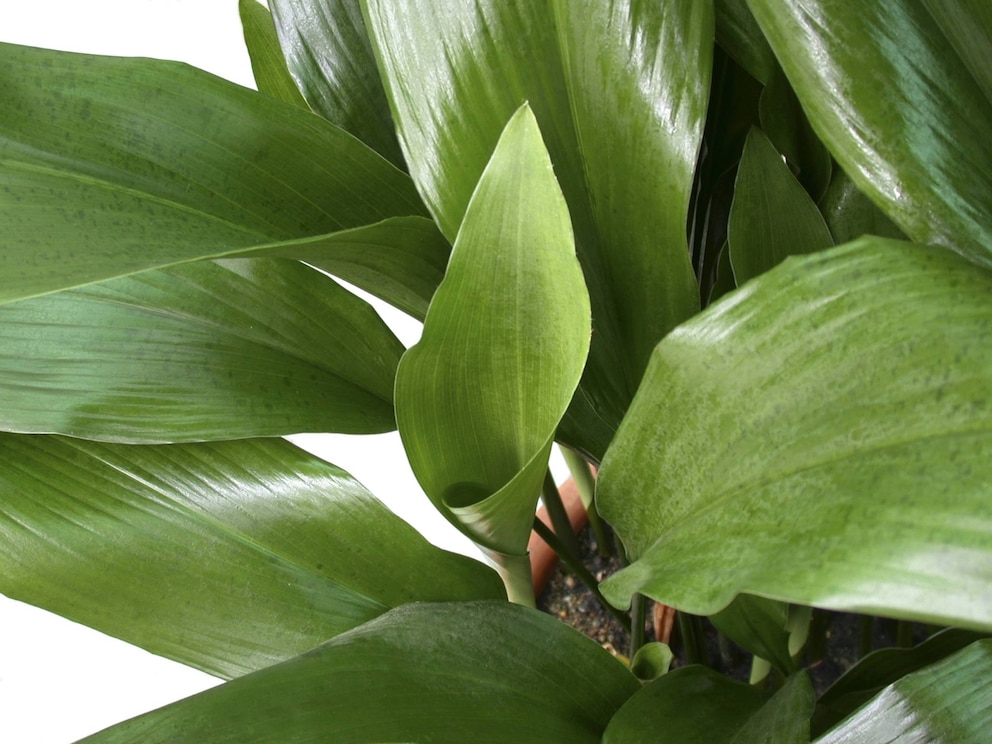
[[60, 681]]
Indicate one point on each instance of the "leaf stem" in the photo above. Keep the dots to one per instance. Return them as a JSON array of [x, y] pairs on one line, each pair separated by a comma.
[[638, 610], [690, 628], [559, 516], [585, 482], [580, 571]]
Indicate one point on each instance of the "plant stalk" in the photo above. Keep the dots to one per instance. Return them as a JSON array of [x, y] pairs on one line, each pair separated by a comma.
[[581, 572], [638, 610], [586, 485], [690, 628], [559, 516]]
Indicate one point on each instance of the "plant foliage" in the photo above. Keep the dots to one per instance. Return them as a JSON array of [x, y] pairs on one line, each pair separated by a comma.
[[736, 253]]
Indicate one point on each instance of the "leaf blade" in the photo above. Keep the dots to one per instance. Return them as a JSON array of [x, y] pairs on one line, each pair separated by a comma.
[[258, 551]]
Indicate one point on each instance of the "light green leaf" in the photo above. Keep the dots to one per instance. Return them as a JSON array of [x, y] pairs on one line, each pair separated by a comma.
[[112, 166], [822, 436], [479, 398], [328, 52], [870, 675], [400, 260], [267, 62], [901, 96], [227, 556], [481, 672], [695, 704], [759, 625], [605, 106], [949, 702], [205, 350], [772, 217]]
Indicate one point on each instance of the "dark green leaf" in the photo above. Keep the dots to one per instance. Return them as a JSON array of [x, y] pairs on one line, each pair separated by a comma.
[[870, 675], [772, 216], [485, 672], [740, 36], [695, 704], [822, 436], [267, 62], [328, 52], [479, 398], [112, 166], [948, 702], [227, 556], [785, 123], [850, 214], [238, 348], [902, 97], [759, 625]]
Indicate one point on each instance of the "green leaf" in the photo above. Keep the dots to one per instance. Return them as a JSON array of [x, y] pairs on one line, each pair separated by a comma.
[[329, 54], [901, 96], [740, 36], [479, 398], [850, 214], [695, 704], [821, 436], [759, 625], [483, 672], [400, 260], [785, 123], [870, 675], [605, 106], [227, 556], [772, 217], [112, 166], [205, 350], [946, 702], [267, 62]]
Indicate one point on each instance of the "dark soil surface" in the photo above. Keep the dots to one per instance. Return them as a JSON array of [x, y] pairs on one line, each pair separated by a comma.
[[566, 598]]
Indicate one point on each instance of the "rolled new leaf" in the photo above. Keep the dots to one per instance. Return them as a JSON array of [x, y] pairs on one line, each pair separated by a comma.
[[606, 104], [484, 672], [822, 436], [901, 94], [479, 398], [227, 556], [201, 351]]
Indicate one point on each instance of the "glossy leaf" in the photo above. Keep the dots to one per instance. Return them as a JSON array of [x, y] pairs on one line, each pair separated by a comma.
[[759, 625], [479, 398], [486, 672], [785, 123], [328, 52], [112, 166], [227, 556], [741, 37], [870, 675], [267, 62], [400, 260], [200, 351], [772, 217], [821, 436], [900, 94], [948, 702], [850, 214], [456, 72], [695, 704]]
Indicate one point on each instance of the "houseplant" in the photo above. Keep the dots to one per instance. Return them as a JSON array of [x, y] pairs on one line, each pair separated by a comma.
[[552, 189]]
